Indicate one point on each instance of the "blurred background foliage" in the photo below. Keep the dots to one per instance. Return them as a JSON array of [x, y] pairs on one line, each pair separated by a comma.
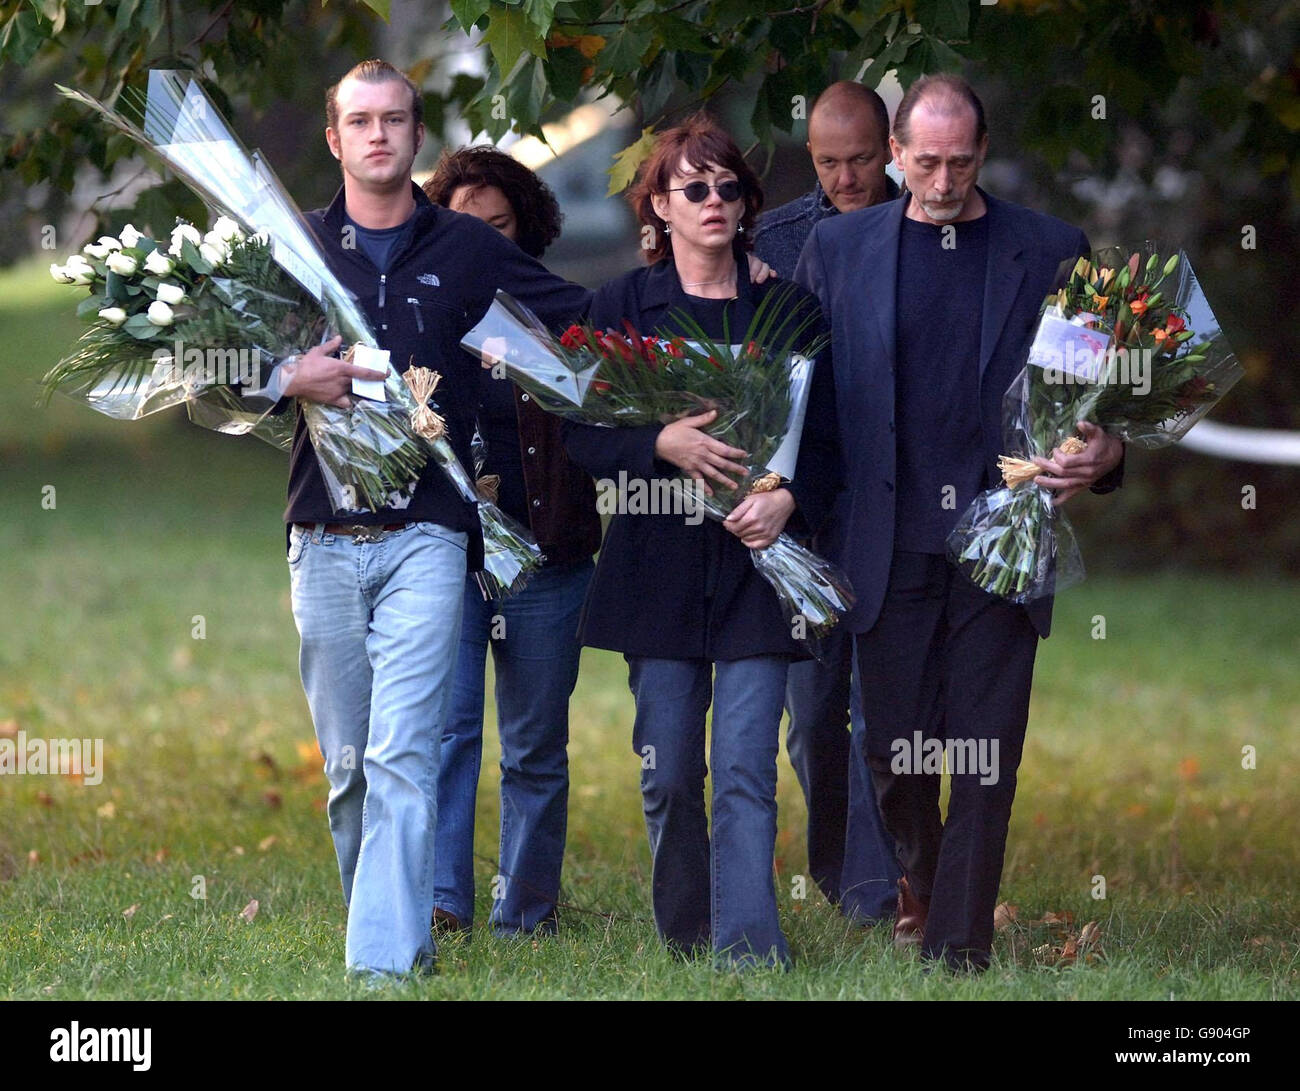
[[1176, 120]]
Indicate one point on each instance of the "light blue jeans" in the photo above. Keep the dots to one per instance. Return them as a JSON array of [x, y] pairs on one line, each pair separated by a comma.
[[717, 890], [380, 624]]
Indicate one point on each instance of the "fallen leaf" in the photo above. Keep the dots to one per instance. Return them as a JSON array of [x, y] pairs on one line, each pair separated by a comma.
[[1004, 916], [45, 799], [33, 857], [272, 799], [1089, 935], [265, 759], [161, 855], [107, 810], [1066, 918], [129, 911], [1189, 769], [238, 850], [308, 751], [1070, 951], [266, 843], [250, 910]]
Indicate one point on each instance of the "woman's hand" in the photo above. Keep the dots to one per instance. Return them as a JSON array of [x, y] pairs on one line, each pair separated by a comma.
[[759, 270], [759, 519], [699, 455]]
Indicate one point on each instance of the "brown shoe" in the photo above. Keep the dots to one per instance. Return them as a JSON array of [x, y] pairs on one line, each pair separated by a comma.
[[909, 924], [444, 921]]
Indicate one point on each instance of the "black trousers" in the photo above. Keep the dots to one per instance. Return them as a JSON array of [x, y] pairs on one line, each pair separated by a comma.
[[947, 668]]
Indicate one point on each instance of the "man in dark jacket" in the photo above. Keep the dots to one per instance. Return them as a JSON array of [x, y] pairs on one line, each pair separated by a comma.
[[932, 302], [377, 595], [850, 856]]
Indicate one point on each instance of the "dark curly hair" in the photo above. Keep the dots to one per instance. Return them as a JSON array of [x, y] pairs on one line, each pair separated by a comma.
[[704, 144], [537, 213]]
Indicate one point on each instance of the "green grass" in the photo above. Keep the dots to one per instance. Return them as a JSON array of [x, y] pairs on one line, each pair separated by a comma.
[[1133, 768]]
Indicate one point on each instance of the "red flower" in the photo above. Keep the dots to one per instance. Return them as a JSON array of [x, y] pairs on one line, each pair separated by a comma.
[[1175, 324], [715, 363], [574, 338], [601, 387], [616, 344], [752, 350], [675, 348]]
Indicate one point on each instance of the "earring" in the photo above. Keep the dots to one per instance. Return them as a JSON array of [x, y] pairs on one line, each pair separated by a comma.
[[668, 228], [740, 229]]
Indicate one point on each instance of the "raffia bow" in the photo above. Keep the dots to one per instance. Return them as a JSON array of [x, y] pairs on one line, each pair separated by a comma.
[[766, 483], [1016, 471], [423, 382], [488, 487]]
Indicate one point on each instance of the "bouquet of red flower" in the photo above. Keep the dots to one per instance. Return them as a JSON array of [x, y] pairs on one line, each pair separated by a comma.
[[759, 388], [1130, 343]]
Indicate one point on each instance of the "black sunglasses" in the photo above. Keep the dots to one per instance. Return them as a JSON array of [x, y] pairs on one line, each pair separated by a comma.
[[699, 191]]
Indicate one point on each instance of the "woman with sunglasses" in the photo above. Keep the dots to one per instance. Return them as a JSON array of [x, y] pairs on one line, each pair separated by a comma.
[[681, 598]]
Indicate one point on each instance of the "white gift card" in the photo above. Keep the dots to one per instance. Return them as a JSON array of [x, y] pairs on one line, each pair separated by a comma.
[[376, 360]]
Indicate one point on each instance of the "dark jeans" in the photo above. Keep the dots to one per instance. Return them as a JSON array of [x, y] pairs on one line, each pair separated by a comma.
[[714, 889], [850, 856], [947, 661], [535, 653]]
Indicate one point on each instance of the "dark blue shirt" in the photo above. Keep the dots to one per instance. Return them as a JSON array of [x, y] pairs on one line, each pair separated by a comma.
[[376, 242], [937, 400]]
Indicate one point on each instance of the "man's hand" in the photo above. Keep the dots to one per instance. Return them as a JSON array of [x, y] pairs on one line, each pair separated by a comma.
[[1070, 474], [700, 455], [319, 376], [760, 517], [759, 270]]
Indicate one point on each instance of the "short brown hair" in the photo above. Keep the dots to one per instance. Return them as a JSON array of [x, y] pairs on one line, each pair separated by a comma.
[[537, 213], [373, 71], [702, 143]]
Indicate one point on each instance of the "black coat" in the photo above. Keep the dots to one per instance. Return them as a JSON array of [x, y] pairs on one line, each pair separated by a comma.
[[850, 262], [664, 588]]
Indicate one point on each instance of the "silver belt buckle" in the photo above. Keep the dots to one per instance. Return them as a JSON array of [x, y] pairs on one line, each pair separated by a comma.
[[368, 534]]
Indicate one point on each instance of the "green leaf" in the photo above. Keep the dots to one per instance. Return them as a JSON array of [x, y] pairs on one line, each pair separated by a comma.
[[623, 54], [931, 56], [116, 288], [382, 8], [88, 309], [944, 18], [626, 162], [469, 12], [509, 35], [541, 13], [139, 327]]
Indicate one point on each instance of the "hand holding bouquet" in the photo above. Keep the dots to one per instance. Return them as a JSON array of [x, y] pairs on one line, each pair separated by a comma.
[[758, 387], [1129, 343]]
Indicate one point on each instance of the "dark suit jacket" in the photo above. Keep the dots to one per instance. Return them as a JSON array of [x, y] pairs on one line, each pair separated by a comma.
[[663, 588], [850, 263]]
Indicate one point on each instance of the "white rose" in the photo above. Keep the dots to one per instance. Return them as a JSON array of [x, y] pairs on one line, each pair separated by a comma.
[[114, 316], [122, 264], [130, 236], [159, 264], [95, 250], [171, 293], [213, 253], [59, 273], [183, 231], [226, 230], [159, 313], [79, 269]]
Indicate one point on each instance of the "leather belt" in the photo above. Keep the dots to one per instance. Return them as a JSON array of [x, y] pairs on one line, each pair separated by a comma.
[[356, 531]]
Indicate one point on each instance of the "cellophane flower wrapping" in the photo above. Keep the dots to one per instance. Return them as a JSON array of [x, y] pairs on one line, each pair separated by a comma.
[[759, 388], [1129, 342], [369, 453]]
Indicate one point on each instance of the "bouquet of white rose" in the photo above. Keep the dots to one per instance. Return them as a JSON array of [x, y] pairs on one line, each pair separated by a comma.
[[256, 281]]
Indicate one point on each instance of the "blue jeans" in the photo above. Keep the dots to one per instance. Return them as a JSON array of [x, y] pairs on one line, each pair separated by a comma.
[[534, 641], [379, 624], [715, 890], [850, 855]]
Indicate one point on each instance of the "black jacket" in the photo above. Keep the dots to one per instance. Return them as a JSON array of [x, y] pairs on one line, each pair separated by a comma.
[[664, 588], [443, 272]]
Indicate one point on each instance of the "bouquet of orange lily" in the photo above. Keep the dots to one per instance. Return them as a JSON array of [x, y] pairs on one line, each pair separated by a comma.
[[1129, 343]]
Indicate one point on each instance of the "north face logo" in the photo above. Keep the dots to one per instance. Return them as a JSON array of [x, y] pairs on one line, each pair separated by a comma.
[[430, 279]]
